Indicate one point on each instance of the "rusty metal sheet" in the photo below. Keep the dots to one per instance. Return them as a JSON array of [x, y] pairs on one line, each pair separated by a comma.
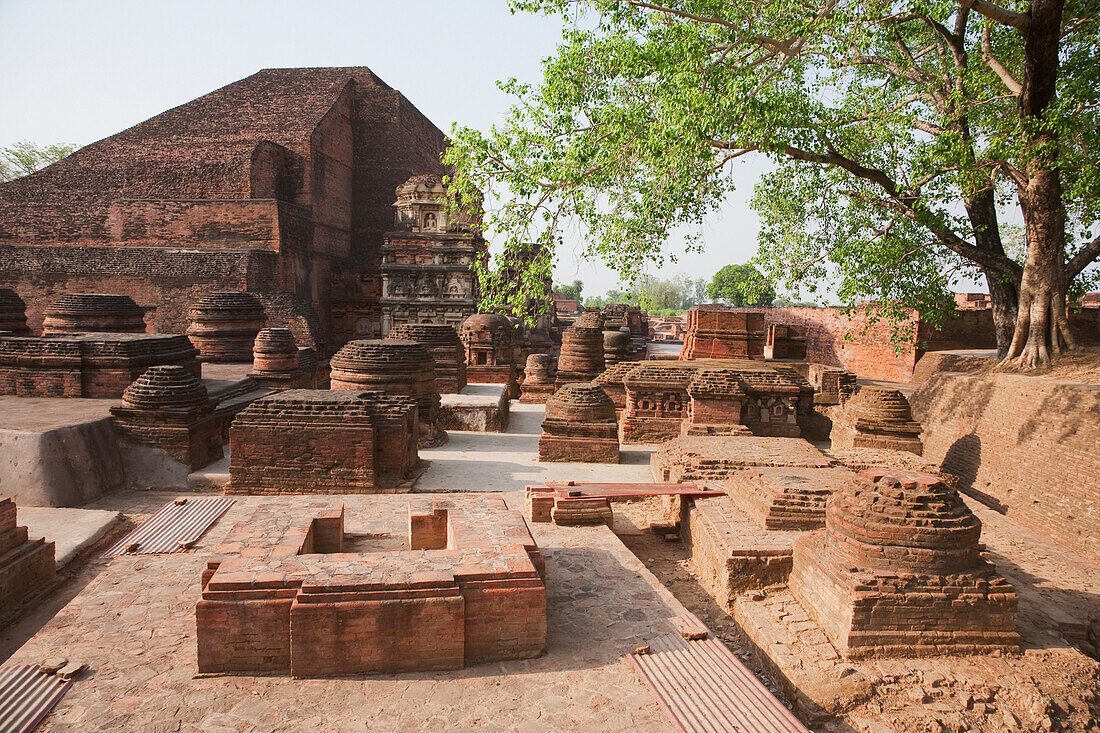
[[703, 688], [27, 696], [175, 526], [629, 490]]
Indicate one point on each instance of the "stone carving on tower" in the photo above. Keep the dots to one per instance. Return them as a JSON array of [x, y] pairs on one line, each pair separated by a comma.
[[428, 258]]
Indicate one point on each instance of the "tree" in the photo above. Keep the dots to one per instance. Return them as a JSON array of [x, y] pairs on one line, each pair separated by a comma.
[[901, 132], [24, 158], [741, 285], [571, 291]]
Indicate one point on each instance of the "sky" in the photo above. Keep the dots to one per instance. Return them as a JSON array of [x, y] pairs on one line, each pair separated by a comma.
[[77, 72]]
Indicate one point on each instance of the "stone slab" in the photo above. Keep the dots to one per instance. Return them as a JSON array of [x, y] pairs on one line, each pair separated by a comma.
[[482, 408], [71, 530]]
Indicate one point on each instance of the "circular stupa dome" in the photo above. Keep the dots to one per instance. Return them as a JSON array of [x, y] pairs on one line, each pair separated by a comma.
[[580, 402], [168, 386]]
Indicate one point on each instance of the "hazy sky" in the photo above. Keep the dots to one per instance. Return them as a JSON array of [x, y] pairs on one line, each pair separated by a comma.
[[80, 71]]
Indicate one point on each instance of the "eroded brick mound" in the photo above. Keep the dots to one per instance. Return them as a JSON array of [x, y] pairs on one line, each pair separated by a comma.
[[446, 348], [538, 384], [616, 346], [26, 565], [581, 358], [397, 368], [13, 313], [580, 426], [877, 417], [167, 407], [305, 441], [275, 351], [224, 326], [898, 571], [93, 313]]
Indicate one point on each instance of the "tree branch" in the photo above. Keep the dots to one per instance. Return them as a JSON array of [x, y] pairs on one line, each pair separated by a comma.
[[1083, 259], [995, 12], [998, 68]]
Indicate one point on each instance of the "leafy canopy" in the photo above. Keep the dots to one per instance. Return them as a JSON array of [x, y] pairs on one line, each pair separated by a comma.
[[741, 285], [24, 158]]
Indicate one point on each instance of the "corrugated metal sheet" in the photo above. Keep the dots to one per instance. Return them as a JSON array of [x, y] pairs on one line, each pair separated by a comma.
[[703, 688], [175, 527], [27, 696]]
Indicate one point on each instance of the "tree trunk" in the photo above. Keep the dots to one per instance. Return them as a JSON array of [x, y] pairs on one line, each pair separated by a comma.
[[1042, 330], [1003, 292]]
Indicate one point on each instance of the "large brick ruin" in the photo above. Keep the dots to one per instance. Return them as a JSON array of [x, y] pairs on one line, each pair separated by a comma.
[[446, 349], [86, 364], [579, 426], [323, 441], [26, 565], [394, 367], [224, 326], [428, 259], [656, 401], [898, 571], [285, 596], [281, 184], [718, 333], [167, 407], [877, 417]]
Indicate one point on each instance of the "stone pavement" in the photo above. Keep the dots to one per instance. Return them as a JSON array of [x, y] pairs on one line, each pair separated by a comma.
[[134, 625]]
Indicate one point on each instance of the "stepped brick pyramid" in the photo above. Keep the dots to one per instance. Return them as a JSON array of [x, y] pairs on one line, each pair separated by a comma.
[[167, 407], [93, 313], [877, 417], [283, 595], [397, 368], [715, 333], [13, 314], [898, 571], [305, 441], [787, 498], [446, 349], [87, 364], [579, 426], [538, 384], [26, 565], [280, 184], [224, 326]]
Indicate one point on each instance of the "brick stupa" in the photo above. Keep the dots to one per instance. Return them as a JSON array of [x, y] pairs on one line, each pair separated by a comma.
[[538, 384], [446, 349], [898, 571], [13, 314], [877, 417], [579, 426], [93, 313], [582, 357], [395, 368], [489, 341], [224, 326]]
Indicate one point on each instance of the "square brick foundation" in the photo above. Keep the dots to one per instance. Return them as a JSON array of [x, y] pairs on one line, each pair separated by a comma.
[[285, 597], [785, 498]]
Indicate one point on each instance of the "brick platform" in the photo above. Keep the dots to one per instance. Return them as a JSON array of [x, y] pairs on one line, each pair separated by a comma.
[[323, 441], [93, 313], [579, 426], [26, 565], [877, 417], [168, 408], [86, 364], [285, 597], [688, 458], [722, 334], [785, 498], [898, 571]]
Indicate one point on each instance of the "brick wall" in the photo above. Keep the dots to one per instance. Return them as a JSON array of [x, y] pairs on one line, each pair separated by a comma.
[[1027, 445]]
